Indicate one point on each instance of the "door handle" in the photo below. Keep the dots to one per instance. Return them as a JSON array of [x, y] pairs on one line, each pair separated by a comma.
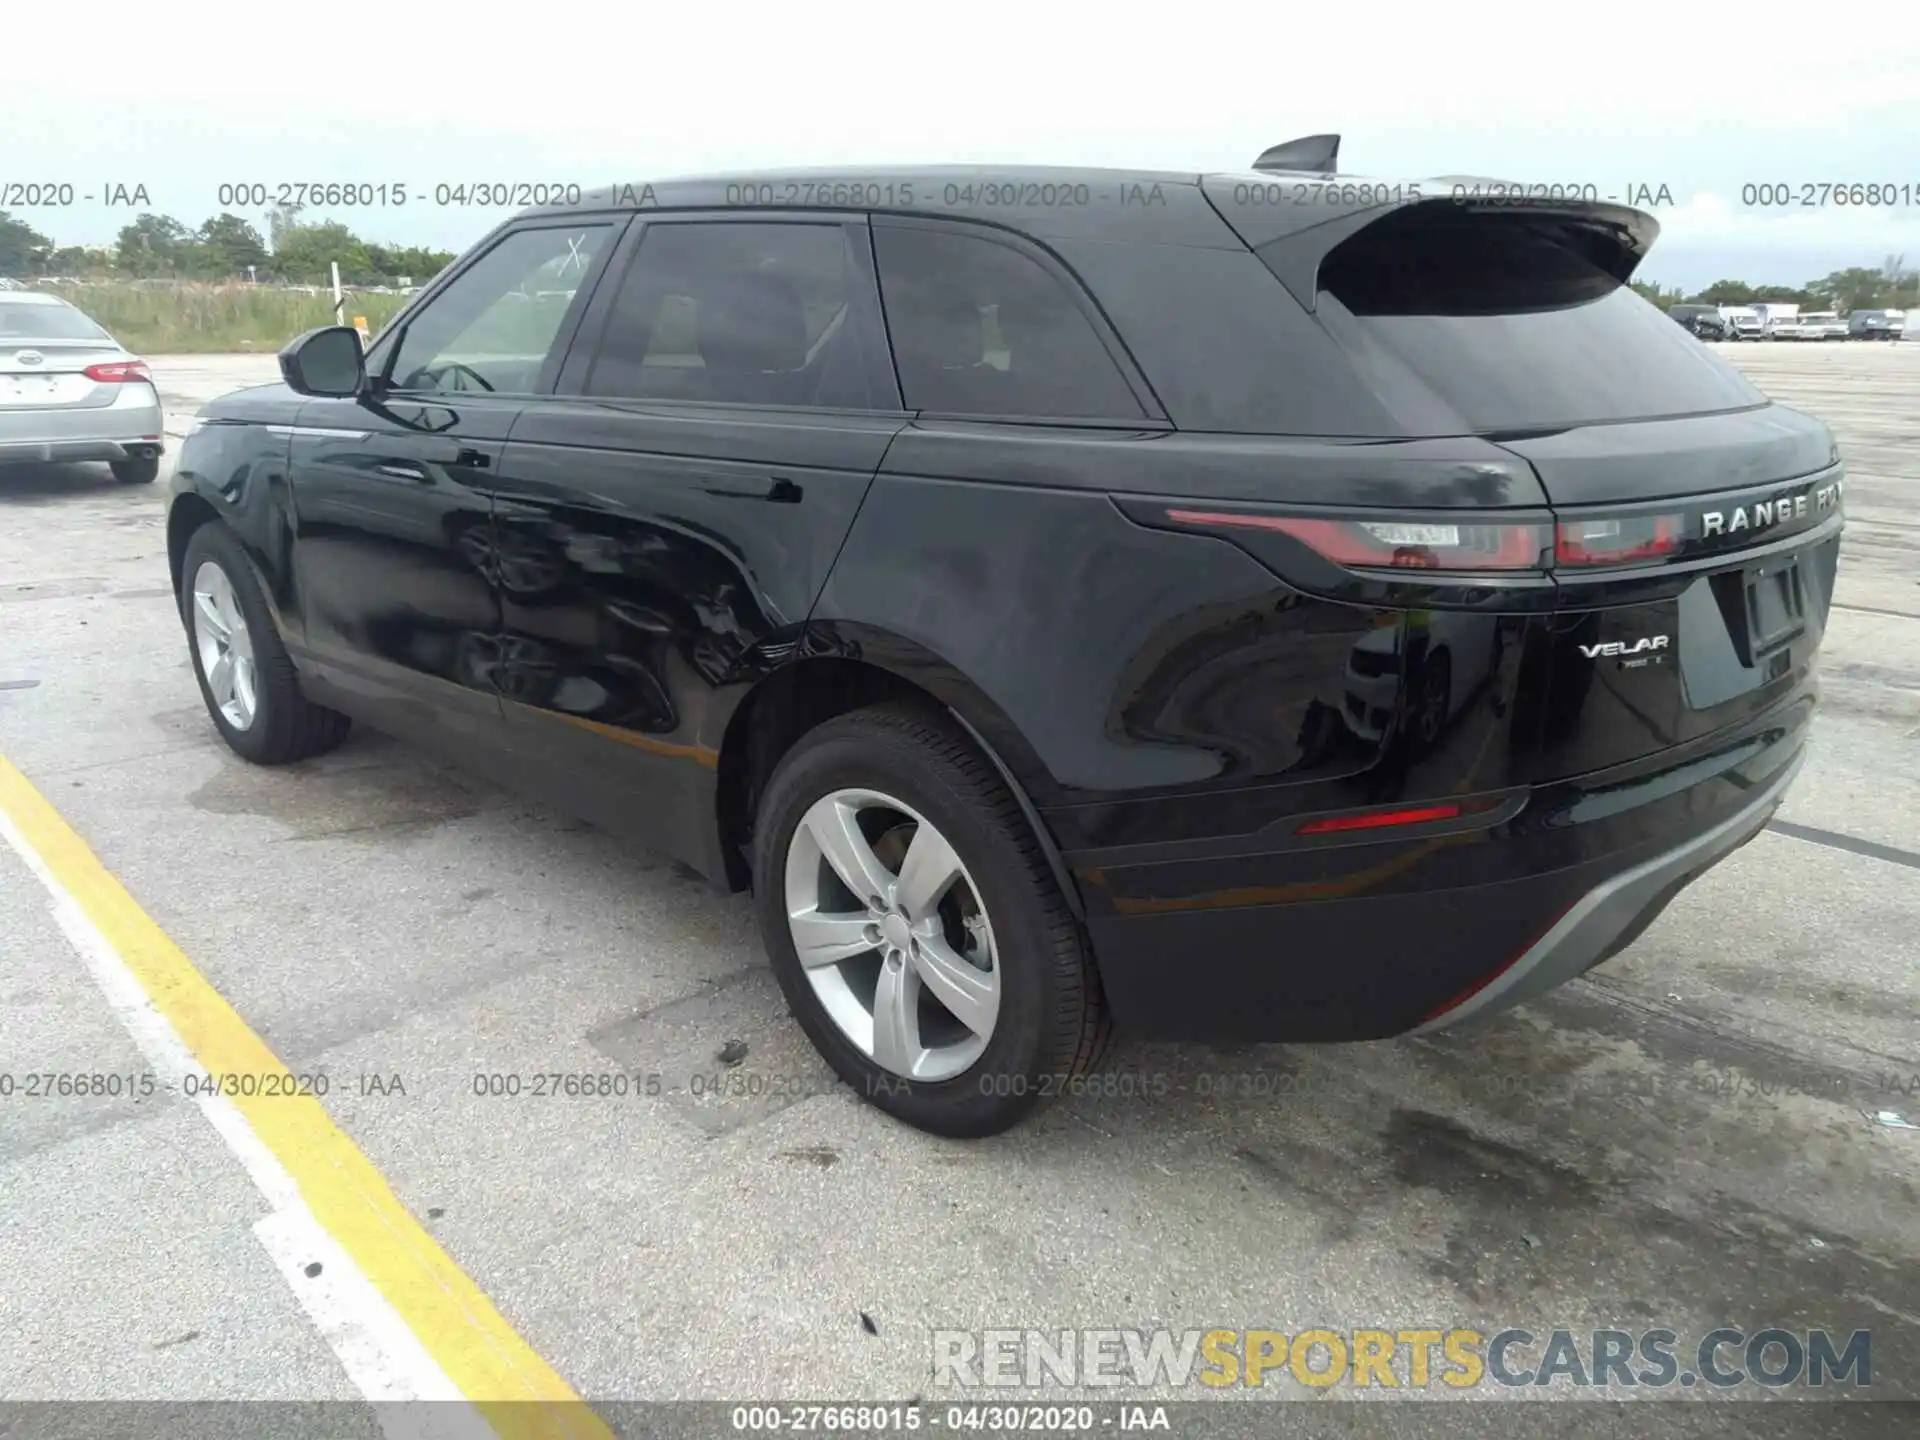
[[417, 471], [780, 490]]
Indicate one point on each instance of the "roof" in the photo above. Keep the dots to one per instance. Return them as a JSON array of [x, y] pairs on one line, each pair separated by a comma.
[[1066, 202], [815, 186], [1058, 201]]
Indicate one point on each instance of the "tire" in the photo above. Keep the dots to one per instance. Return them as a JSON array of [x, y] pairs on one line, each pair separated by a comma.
[[284, 725], [1051, 1025], [143, 471]]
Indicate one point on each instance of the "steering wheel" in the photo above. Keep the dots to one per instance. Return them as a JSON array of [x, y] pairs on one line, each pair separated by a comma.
[[452, 367]]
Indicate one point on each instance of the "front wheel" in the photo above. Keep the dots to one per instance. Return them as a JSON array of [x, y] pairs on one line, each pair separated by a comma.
[[245, 674], [919, 936]]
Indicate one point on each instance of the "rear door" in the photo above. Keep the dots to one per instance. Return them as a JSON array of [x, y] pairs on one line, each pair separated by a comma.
[[1691, 597], [1697, 524], [667, 519]]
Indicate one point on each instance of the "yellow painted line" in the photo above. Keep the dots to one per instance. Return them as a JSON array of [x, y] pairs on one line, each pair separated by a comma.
[[518, 1393]]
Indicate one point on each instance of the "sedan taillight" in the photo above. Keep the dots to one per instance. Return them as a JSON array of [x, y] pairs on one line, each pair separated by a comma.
[[118, 372]]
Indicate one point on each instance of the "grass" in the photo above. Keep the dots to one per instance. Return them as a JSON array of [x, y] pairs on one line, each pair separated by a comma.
[[185, 318]]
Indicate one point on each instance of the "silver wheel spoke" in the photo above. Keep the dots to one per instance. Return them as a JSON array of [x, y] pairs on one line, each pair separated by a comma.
[[207, 611], [896, 1023], [927, 873], [829, 939], [833, 825], [243, 694], [970, 994], [220, 678]]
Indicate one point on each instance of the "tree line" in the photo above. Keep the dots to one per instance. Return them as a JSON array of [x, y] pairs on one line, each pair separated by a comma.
[[224, 247]]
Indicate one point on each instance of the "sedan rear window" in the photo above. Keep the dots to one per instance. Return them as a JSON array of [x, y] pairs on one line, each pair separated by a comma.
[[20, 320], [1500, 323]]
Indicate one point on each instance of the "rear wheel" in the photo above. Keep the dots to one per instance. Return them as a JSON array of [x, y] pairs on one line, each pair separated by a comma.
[[915, 928], [143, 471], [246, 677]]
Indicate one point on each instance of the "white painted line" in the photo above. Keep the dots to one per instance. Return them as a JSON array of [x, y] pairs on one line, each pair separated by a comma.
[[380, 1354]]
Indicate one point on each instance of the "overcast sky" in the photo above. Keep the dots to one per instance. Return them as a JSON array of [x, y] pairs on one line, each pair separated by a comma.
[[181, 99]]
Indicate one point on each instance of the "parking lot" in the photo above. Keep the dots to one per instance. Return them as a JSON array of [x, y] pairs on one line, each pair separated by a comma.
[[1719, 1128]]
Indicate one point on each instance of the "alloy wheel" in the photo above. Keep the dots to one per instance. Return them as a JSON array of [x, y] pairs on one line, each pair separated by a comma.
[[892, 935], [224, 645]]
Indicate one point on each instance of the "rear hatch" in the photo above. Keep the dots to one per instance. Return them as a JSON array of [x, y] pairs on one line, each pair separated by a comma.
[[45, 350], [1695, 525]]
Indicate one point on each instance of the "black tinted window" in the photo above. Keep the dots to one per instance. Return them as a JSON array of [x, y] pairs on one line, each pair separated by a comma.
[[980, 329], [748, 313], [494, 325], [1507, 323]]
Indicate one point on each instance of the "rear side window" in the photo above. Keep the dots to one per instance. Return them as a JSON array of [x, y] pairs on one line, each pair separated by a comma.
[[1510, 323], [979, 328], [755, 314]]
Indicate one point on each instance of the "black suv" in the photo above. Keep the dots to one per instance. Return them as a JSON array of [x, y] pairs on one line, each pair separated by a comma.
[[1260, 606]]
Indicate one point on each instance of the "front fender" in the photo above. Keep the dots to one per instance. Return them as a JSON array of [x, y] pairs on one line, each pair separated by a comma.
[[237, 471]]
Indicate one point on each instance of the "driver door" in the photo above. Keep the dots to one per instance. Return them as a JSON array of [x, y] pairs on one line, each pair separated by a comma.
[[393, 554]]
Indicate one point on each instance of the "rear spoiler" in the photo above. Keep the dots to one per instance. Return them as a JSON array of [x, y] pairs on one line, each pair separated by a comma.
[[1296, 223]]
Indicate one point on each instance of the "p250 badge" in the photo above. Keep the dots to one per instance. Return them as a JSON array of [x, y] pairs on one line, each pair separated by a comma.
[[1641, 652]]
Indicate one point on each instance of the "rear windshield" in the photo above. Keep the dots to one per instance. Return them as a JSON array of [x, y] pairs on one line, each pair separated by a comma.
[[20, 320], [1464, 321]]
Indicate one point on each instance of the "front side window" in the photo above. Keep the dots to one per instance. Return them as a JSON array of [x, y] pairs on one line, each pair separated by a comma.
[[740, 313], [978, 328], [495, 324]]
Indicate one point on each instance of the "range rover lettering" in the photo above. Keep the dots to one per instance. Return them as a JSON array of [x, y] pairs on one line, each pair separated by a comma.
[[1239, 607]]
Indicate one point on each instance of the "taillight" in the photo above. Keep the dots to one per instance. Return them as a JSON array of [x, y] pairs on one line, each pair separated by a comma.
[[1615, 542], [1403, 544], [1380, 819], [1397, 544], [118, 372]]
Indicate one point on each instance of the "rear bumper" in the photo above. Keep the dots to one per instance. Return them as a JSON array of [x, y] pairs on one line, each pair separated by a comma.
[[133, 425], [1611, 915], [1369, 940], [59, 452]]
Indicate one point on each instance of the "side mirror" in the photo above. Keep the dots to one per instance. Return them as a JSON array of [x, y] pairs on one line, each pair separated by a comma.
[[327, 361]]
